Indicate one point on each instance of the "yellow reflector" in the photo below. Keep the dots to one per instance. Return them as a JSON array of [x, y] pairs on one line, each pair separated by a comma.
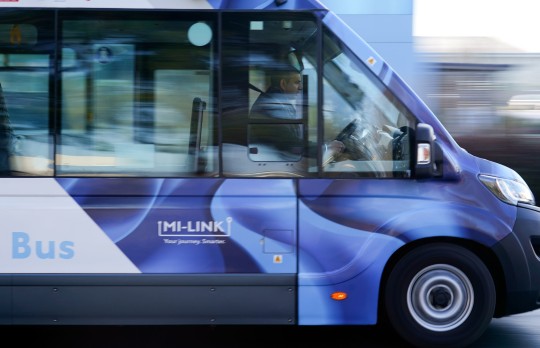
[[339, 296]]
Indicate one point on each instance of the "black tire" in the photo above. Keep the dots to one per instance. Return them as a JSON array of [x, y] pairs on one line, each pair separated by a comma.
[[440, 295]]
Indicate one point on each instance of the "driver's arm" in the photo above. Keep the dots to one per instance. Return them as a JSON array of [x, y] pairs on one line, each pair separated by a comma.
[[335, 146]]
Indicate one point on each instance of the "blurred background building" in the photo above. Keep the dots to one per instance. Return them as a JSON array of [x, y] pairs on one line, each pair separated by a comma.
[[484, 88]]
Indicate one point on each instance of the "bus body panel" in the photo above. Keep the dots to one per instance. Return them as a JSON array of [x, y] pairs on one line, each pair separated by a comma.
[[148, 226], [172, 4], [135, 4], [518, 255], [126, 299], [335, 258], [349, 230], [222, 259]]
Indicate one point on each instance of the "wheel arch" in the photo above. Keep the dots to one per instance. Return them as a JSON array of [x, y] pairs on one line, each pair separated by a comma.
[[485, 254]]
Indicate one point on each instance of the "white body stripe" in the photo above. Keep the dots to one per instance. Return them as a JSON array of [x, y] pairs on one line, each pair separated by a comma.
[[43, 230]]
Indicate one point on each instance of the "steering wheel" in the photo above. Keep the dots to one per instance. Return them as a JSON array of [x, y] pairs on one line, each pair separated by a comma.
[[359, 143], [347, 131]]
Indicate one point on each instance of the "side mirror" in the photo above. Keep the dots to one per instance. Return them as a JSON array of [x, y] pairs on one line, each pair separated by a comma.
[[429, 158]]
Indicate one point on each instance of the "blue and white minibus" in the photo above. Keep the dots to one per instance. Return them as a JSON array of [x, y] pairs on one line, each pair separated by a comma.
[[136, 188]]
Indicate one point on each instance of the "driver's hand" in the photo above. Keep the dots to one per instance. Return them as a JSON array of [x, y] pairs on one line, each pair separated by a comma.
[[333, 148], [336, 146]]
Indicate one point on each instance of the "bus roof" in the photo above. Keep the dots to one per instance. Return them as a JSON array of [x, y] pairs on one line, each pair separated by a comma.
[[169, 4]]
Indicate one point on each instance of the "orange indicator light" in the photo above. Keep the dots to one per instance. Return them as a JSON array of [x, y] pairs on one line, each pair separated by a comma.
[[339, 296]]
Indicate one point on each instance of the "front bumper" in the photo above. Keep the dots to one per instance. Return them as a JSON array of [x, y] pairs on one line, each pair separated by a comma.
[[519, 255]]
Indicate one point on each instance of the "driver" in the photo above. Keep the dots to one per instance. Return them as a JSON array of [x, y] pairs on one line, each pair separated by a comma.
[[278, 103]]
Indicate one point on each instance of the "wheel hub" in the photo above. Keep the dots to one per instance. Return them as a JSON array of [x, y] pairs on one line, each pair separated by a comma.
[[440, 297]]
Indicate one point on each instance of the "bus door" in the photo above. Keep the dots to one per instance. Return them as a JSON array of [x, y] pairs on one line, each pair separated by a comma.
[[264, 195], [264, 177]]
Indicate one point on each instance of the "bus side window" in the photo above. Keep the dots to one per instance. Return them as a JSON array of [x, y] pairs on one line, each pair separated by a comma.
[[128, 96], [276, 114], [26, 41]]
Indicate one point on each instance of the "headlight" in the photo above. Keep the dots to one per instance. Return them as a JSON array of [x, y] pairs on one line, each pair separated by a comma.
[[509, 191]]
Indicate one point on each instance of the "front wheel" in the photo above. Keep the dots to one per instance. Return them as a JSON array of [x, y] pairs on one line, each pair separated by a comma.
[[440, 295]]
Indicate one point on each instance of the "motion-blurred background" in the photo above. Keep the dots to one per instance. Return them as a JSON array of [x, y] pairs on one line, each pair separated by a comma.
[[476, 63]]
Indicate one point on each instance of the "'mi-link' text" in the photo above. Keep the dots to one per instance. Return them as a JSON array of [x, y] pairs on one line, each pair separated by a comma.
[[179, 228]]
